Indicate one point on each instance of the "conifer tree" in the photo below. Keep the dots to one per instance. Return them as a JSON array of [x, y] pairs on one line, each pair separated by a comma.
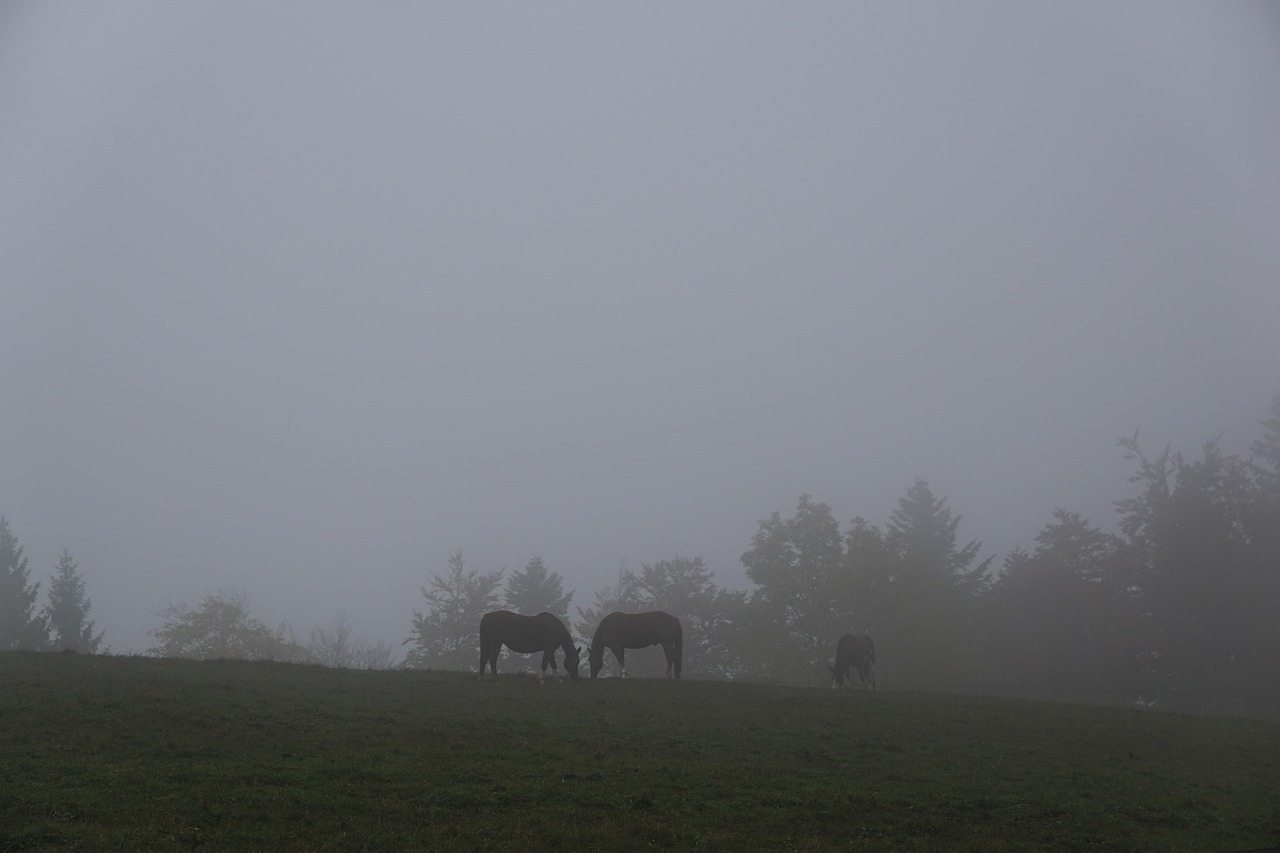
[[21, 626], [535, 590], [68, 610], [447, 635]]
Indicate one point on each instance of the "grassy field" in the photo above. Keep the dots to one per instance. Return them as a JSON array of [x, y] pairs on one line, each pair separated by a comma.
[[120, 753]]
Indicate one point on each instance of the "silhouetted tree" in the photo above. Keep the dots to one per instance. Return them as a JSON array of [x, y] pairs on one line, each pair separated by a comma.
[[871, 570], [1054, 608], [447, 635], [922, 530], [21, 625], [799, 607], [934, 589], [1262, 594], [1201, 572], [535, 589], [68, 610], [221, 628]]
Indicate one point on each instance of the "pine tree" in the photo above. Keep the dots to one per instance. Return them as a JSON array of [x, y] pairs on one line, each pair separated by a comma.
[[446, 636], [931, 603], [68, 610], [535, 590], [923, 532], [21, 626]]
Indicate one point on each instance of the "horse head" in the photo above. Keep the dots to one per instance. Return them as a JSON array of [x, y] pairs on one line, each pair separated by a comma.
[[572, 659]]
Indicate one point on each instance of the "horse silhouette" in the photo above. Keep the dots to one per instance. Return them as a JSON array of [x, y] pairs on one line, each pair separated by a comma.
[[526, 634], [621, 631], [858, 653]]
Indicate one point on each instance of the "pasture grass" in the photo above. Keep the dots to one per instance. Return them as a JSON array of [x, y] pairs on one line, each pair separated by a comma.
[[127, 753]]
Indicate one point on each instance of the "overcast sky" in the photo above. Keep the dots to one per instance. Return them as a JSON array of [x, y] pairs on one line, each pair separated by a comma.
[[299, 298]]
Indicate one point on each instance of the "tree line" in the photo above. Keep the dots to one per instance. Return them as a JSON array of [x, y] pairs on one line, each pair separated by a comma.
[[1177, 608]]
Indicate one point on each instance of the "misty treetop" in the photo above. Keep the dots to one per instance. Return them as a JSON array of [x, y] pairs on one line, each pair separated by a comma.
[[62, 623], [537, 590]]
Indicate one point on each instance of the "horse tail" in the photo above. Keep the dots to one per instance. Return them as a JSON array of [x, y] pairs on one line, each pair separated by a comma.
[[484, 644], [679, 646]]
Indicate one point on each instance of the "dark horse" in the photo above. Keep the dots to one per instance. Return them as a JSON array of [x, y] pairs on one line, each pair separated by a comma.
[[526, 634], [621, 631], [858, 653]]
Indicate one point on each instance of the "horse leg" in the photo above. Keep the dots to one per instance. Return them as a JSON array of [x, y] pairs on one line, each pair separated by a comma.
[[671, 659], [621, 654], [548, 658]]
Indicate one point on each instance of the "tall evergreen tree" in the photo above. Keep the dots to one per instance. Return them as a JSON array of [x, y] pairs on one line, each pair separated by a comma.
[[446, 636], [535, 590], [68, 610], [923, 531], [21, 625], [930, 605]]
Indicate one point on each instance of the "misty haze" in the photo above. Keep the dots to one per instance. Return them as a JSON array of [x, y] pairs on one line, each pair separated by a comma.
[[319, 315]]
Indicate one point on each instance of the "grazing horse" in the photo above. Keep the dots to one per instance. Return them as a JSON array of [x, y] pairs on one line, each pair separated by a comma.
[[526, 634], [855, 652], [621, 631]]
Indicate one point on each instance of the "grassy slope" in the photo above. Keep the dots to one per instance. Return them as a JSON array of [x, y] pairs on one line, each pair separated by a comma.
[[133, 753]]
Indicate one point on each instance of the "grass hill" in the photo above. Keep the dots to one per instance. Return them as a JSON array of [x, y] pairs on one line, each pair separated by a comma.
[[130, 753]]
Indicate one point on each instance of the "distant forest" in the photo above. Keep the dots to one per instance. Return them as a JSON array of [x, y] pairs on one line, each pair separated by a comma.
[[1179, 609]]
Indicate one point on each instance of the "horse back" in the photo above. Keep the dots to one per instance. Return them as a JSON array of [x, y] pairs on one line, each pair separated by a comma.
[[854, 651], [637, 630], [524, 634]]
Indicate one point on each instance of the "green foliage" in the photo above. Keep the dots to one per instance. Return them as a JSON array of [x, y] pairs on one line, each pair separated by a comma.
[[114, 753], [446, 636], [21, 625], [68, 610], [221, 628], [536, 590]]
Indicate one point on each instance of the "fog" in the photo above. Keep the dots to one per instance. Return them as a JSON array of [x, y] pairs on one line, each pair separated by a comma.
[[299, 298]]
